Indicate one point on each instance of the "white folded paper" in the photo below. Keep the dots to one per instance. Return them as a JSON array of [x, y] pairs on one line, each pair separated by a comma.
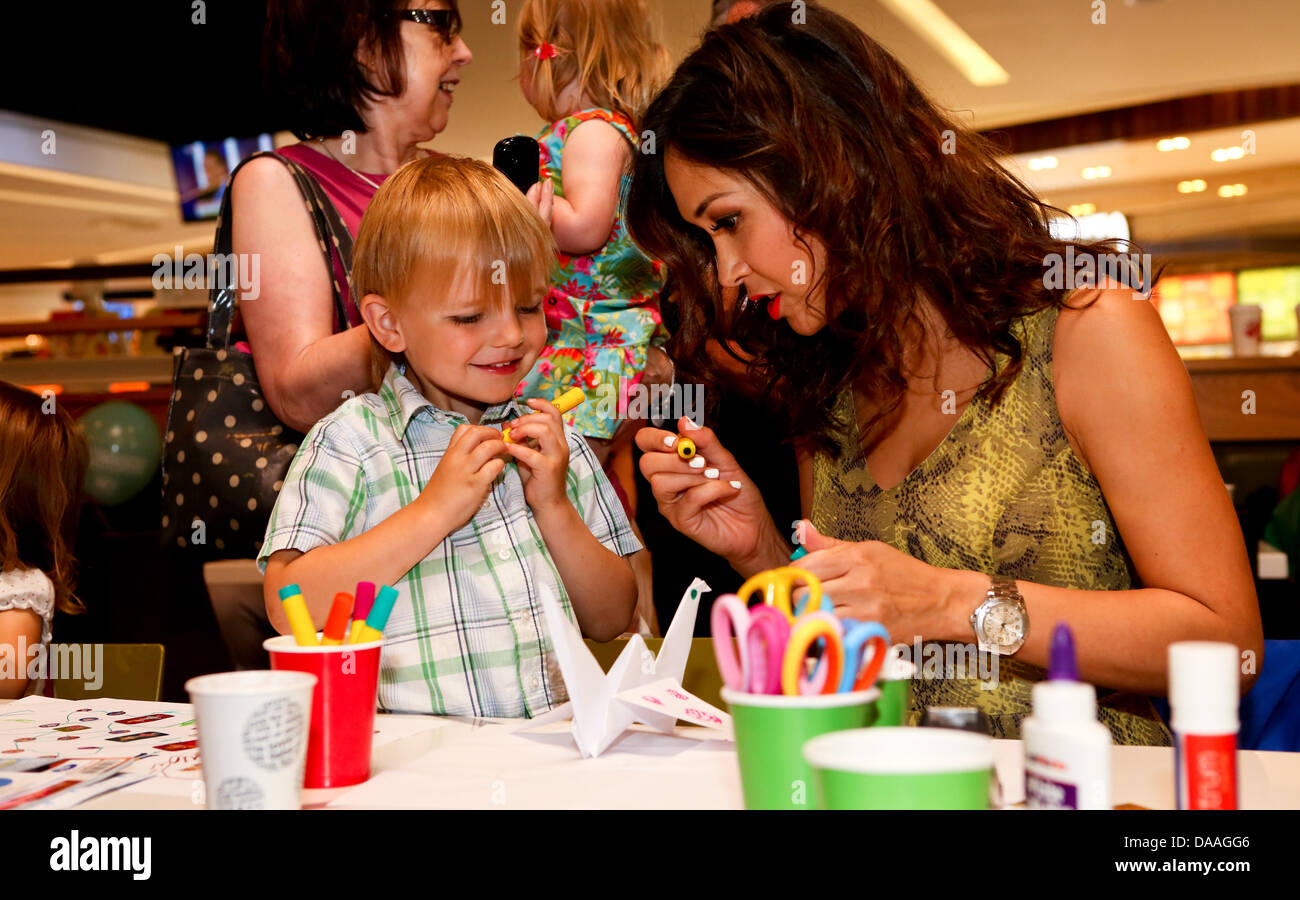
[[599, 714]]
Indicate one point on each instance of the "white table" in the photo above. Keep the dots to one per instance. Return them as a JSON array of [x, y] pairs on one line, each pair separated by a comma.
[[482, 763]]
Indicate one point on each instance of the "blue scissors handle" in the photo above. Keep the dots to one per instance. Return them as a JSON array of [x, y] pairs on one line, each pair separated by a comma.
[[857, 636]]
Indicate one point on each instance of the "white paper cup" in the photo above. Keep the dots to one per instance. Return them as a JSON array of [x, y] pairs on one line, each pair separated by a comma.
[[253, 737], [1247, 321]]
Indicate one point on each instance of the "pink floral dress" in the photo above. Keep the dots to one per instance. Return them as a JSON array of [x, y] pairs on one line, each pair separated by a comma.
[[602, 313]]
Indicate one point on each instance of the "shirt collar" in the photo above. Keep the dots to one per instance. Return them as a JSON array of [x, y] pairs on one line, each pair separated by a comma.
[[404, 401]]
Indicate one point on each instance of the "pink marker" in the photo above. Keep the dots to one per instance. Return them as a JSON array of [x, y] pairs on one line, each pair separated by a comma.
[[365, 599]]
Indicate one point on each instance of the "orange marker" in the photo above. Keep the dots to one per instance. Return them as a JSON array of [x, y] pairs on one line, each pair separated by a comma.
[[336, 626]]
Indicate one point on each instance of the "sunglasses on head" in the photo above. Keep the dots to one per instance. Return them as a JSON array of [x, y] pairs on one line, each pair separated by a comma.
[[444, 21]]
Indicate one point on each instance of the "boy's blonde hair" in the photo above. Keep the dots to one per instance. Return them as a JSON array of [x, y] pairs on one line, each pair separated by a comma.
[[436, 217], [609, 47]]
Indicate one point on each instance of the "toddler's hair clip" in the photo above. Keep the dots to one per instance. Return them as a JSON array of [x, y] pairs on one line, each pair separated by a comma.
[[545, 51]]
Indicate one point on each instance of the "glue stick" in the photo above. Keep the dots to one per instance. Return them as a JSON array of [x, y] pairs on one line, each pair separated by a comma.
[[1067, 751], [1203, 697]]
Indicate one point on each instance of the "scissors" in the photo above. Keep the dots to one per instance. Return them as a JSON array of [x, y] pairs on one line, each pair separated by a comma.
[[840, 668], [772, 652], [762, 634], [778, 585]]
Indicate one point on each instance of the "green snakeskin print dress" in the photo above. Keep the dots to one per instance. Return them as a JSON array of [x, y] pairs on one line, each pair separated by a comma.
[[1003, 494]]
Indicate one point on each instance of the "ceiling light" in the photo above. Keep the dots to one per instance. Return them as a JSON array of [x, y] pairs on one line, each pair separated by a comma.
[[1224, 154], [1232, 190], [1043, 162], [1195, 186], [1082, 209], [1096, 172], [1175, 143], [947, 37]]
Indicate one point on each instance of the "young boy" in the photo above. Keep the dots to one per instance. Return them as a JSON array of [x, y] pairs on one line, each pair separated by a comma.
[[413, 486]]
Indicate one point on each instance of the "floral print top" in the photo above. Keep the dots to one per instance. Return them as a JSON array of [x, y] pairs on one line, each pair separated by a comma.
[[602, 313]]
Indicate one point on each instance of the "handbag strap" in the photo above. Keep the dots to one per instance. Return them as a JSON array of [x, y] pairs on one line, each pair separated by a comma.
[[223, 298]]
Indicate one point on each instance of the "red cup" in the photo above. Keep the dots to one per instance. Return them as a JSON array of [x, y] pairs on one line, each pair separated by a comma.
[[342, 707]]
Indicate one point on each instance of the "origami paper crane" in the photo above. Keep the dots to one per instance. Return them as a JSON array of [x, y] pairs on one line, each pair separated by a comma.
[[599, 714]]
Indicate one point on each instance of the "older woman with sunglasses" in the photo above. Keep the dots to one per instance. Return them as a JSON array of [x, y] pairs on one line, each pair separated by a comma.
[[362, 83]]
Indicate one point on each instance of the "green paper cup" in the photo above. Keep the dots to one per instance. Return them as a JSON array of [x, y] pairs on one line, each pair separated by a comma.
[[771, 730], [895, 685], [901, 768]]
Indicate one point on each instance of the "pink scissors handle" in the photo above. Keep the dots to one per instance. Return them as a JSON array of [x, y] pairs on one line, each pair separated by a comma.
[[729, 618], [769, 632]]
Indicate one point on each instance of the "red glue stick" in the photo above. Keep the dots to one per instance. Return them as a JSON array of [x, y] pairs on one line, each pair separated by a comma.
[[1203, 697]]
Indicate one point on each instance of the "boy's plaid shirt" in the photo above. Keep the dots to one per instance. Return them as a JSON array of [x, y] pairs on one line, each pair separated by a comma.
[[466, 636]]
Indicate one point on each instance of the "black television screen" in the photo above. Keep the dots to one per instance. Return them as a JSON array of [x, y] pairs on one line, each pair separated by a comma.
[[203, 168]]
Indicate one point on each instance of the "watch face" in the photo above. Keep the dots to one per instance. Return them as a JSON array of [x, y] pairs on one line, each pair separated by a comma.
[[1003, 625]]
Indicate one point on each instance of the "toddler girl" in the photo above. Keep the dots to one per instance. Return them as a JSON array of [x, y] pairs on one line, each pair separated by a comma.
[[43, 460], [589, 67]]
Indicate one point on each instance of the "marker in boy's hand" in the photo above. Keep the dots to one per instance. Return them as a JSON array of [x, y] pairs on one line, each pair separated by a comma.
[[464, 475], [541, 470]]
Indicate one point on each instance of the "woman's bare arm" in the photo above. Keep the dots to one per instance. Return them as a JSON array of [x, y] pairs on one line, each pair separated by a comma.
[[1127, 405], [304, 368]]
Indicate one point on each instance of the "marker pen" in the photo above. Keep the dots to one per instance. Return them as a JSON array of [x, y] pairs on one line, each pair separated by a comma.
[[361, 609], [570, 399], [336, 626], [295, 607], [377, 621]]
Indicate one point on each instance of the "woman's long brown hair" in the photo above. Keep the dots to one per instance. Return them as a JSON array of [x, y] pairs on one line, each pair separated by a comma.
[[43, 459], [832, 130]]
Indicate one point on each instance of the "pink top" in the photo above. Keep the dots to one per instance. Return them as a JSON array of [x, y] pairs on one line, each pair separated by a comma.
[[350, 195]]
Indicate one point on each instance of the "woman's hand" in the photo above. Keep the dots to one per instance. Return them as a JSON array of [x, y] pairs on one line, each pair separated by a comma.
[[872, 582], [713, 502]]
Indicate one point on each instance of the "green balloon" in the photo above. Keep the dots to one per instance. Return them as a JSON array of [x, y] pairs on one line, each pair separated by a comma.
[[125, 449]]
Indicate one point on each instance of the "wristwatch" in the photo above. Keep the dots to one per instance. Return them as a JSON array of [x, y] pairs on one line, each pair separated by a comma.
[[1001, 622]]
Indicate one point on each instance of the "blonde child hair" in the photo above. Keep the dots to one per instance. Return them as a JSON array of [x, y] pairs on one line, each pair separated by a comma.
[[437, 215], [608, 47]]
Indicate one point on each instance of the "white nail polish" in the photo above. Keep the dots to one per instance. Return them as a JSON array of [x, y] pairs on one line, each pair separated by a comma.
[[697, 462], [736, 485], [710, 473], [690, 425], [670, 441]]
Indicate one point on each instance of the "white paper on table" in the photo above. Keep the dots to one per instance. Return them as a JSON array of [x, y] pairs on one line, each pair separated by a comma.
[[668, 696], [599, 716], [499, 769]]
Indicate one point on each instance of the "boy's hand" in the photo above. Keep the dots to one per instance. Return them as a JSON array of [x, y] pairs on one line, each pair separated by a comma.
[[464, 477], [543, 470]]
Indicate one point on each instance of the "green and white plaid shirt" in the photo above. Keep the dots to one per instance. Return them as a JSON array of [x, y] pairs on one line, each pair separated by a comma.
[[466, 635]]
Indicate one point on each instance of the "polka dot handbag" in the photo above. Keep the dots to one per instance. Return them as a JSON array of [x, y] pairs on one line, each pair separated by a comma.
[[226, 453]]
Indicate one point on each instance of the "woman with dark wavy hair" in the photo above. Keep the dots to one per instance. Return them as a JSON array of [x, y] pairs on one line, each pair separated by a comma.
[[986, 448]]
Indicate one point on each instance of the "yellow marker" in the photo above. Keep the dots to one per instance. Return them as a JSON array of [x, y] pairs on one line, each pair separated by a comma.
[[372, 629], [569, 400], [365, 634], [295, 607], [354, 636]]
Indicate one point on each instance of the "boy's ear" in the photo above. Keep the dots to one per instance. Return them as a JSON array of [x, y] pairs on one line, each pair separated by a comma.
[[383, 323]]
